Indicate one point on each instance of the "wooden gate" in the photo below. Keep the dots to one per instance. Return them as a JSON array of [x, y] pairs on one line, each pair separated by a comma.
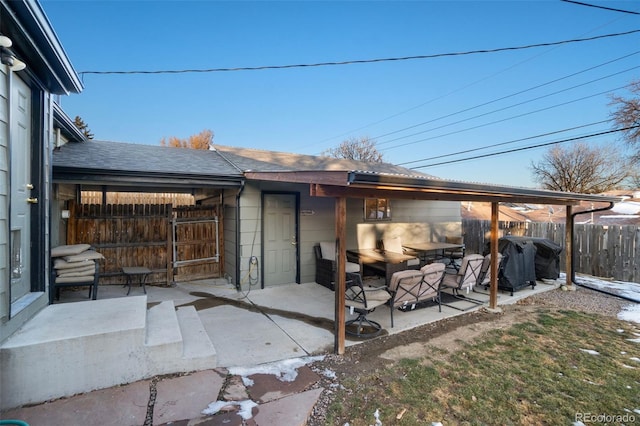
[[160, 237]]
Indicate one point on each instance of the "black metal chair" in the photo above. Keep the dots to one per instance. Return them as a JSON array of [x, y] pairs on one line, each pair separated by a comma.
[[363, 300], [454, 255]]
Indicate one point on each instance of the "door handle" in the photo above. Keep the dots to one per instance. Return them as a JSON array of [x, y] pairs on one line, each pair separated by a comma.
[[32, 200]]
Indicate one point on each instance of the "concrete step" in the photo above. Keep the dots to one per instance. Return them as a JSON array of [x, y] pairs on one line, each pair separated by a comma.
[[162, 329], [73, 348], [176, 341], [195, 340]]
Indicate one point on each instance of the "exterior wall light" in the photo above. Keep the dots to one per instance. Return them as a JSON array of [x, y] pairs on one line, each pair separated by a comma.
[[7, 57]]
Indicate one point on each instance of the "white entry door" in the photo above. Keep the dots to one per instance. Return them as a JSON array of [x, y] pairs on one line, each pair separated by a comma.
[[280, 239], [20, 146]]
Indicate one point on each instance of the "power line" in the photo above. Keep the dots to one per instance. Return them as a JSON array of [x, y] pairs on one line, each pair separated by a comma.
[[506, 107], [500, 99], [466, 151], [601, 7], [525, 148], [507, 118], [363, 61]]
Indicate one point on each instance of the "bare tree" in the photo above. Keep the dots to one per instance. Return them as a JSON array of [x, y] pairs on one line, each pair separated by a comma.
[[582, 169], [202, 140], [360, 149], [627, 116], [80, 124]]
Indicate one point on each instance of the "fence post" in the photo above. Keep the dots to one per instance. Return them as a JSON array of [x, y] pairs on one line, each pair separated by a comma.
[[568, 244], [169, 217]]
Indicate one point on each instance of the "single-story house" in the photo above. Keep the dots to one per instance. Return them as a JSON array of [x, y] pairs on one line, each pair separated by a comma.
[[271, 225], [277, 206]]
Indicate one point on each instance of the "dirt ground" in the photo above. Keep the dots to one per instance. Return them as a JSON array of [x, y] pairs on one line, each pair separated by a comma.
[[448, 334]]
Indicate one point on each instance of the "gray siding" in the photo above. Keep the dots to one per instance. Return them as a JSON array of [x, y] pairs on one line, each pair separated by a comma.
[[4, 198], [412, 220]]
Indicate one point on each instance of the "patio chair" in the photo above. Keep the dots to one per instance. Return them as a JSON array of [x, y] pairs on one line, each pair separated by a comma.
[[363, 300], [484, 279], [409, 288], [394, 245], [325, 253], [454, 255], [464, 279]]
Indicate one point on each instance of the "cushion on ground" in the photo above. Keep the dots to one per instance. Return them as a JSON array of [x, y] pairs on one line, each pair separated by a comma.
[[85, 255], [69, 250]]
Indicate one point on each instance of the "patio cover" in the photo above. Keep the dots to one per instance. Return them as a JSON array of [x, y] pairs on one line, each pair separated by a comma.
[[371, 184]]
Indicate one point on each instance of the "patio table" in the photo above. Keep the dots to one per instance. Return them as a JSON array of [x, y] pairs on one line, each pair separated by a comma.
[[430, 251], [130, 271], [386, 261]]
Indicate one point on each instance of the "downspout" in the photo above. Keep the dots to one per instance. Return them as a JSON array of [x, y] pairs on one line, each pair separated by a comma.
[[573, 256], [238, 288]]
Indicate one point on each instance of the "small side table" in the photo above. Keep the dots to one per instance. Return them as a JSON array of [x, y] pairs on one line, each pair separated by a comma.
[[130, 271]]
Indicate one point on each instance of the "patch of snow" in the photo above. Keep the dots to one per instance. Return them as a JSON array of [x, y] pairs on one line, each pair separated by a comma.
[[329, 374], [245, 407], [635, 358], [630, 313], [436, 423], [620, 330], [624, 289], [285, 370], [590, 351], [376, 415], [578, 423], [620, 216]]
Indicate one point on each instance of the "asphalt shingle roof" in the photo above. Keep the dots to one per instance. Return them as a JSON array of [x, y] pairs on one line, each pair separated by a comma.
[[117, 156], [272, 161]]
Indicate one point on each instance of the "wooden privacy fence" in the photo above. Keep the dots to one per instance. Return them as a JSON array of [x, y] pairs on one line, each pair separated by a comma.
[[176, 243], [609, 251]]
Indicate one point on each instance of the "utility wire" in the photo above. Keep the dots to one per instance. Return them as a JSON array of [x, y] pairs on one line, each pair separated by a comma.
[[525, 148], [504, 97], [505, 119], [601, 7], [363, 61], [466, 151], [506, 107]]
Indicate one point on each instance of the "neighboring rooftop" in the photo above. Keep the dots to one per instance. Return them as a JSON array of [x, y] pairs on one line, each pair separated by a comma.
[[626, 212]]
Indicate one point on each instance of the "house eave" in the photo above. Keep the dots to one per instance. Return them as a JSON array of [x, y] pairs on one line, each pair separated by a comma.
[[119, 178], [66, 125], [37, 44]]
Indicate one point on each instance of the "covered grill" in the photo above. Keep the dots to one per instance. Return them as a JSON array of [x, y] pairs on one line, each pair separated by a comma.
[[525, 260]]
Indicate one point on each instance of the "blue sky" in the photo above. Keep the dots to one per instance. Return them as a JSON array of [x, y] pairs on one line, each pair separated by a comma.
[[419, 112]]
